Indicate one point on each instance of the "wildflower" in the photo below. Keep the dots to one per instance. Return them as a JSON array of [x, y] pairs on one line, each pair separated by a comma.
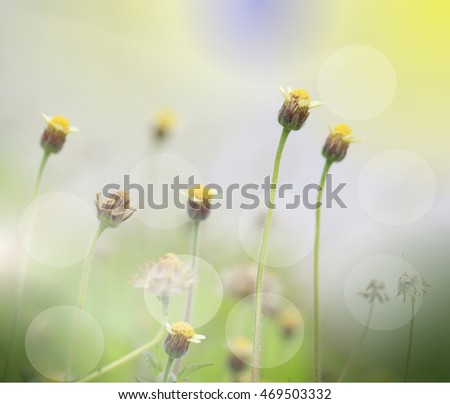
[[241, 350], [55, 133], [166, 278], [290, 321], [181, 334], [374, 291], [114, 209], [337, 142], [199, 202], [412, 285], [295, 109], [164, 123]]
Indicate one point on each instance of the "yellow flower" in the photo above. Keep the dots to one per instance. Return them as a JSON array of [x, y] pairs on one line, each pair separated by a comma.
[[164, 123], [55, 133], [295, 109], [199, 198], [181, 334], [337, 142]]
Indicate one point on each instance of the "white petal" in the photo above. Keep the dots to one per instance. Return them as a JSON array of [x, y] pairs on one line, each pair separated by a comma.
[[46, 117], [314, 104], [73, 129], [284, 93], [199, 336], [169, 328]]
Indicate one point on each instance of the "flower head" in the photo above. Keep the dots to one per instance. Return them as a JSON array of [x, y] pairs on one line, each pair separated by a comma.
[[337, 142], [164, 122], [412, 286], [290, 321], [295, 109], [374, 291], [199, 202], [113, 209], [181, 334], [166, 278], [55, 133], [241, 351]]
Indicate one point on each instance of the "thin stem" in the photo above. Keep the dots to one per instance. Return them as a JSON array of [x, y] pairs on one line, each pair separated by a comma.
[[262, 259], [22, 270], [81, 298], [359, 345], [126, 358], [408, 356], [317, 371], [194, 252], [170, 360], [190, 296], [37, 183]]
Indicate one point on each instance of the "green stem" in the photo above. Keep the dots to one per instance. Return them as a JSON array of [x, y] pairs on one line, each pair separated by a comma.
[[87, 264], [170, 360], [317, 372], [126, 358], [37, 183], [262, 259], [194, 251], [408, 356], [359, 345], [17, 304]]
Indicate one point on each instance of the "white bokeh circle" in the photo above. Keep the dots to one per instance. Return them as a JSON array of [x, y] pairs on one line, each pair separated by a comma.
[[276, 349], [397, 187], [357, 82], [291, 236], [207, 298], [56, 228], [386, 268], [158, 171], [47, 343]]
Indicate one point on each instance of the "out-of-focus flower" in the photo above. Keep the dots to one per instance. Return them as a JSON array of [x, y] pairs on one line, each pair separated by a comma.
[[412, 286], [337, 142], [55, 133], [181, 334], [375, 291], [239, 282], [240, 353], [164, 123], [114, 209], [295, 109], [170, 276], [199, 202], [291, 321]]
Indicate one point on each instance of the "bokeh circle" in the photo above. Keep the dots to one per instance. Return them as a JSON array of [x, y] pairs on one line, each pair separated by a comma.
[[48, 338], [56, 228], [276, 347], [397, 187], [357, 82]]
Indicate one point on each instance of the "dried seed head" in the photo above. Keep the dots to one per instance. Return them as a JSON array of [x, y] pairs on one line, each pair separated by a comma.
[[114, 209], [181, 334], [374, 291], [412, 286], [164, 122], [199, 202], [295, 109], [55, 133], [166, 278]]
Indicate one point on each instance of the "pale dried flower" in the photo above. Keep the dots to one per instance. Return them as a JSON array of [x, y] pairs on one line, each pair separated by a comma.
[[412, 286], [113, 209], [375, 291]]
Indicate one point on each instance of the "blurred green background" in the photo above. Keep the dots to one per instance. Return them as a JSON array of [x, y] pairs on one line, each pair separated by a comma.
[[110, 66]]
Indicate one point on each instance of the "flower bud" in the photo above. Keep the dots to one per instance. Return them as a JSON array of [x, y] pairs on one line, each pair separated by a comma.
[[198, 206], [295, 109], [114, 209], [337, 142], [55, 133], [181, 334]]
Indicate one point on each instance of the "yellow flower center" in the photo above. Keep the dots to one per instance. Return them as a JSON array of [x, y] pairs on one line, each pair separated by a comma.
[[299, 94], [342, 129], [201, 193], [165, 119], [184, 329], [61, 123]]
